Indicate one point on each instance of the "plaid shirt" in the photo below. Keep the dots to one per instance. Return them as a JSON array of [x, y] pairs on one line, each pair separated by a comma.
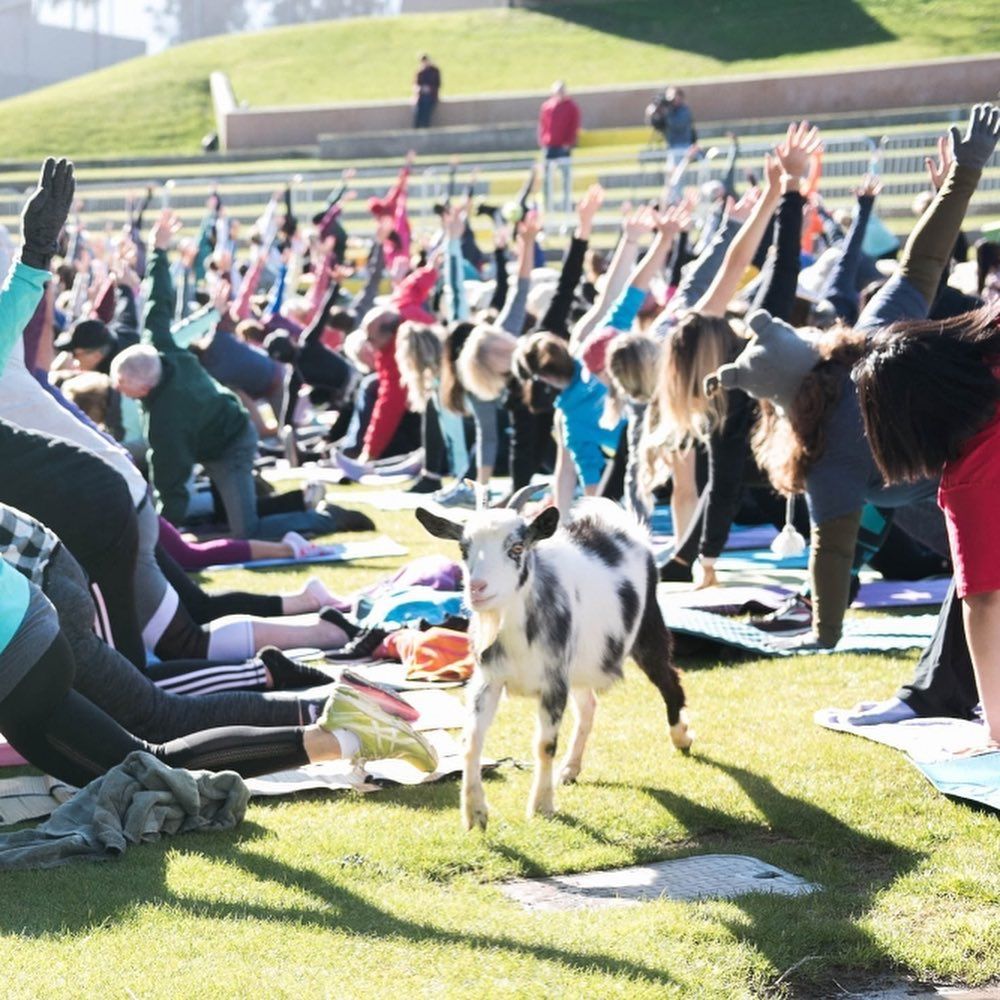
[[26, 544]]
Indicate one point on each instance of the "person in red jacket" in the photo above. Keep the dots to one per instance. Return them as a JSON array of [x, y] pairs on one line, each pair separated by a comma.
[[558, 129], [379, 328]]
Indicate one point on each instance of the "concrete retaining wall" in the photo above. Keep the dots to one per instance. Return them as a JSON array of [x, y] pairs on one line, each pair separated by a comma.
[[938, 82], [428, 142]]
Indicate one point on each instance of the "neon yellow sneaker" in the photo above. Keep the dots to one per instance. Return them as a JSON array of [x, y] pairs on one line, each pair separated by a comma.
[[382, 736]]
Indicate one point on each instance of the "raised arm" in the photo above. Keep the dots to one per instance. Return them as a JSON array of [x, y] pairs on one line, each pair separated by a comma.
[[801, 139], [777, 292], [42, 219], [635, 225], [159, 311], [840, 287], [515, 307], [556, 316]]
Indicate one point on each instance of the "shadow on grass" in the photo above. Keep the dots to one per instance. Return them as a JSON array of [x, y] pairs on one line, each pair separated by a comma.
[[730, 32], [850, 866], [84, 899]]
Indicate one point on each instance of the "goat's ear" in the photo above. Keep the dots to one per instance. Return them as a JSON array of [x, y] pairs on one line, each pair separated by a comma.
[[543, 526], [439, 527]]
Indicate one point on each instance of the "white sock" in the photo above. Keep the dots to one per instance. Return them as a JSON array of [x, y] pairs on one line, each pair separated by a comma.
[[350, 745]]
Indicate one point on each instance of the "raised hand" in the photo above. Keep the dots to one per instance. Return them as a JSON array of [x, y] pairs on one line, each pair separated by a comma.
[[937, 169], [46, 211], [587, 207], [739, 211], [870, 187], [167, 226], [980, 139], [454, 222], [638, 223], [673, 220], [800, 143], [220, 295], [772, 172], [531, 226]]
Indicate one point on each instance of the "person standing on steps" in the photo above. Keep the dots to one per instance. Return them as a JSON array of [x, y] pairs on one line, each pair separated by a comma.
[[427, 87], [558, 130]]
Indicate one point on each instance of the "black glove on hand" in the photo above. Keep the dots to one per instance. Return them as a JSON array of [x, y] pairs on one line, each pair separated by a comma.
[[45, 213], [976, 147]]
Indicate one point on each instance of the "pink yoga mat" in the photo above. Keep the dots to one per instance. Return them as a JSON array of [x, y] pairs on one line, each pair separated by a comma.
[[9, 757]]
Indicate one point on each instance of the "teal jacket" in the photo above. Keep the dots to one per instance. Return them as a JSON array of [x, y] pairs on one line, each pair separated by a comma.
[[18, 300], [582, 405], [188, 417]]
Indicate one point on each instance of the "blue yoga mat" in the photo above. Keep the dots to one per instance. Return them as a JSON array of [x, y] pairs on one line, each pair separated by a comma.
[[974, 778], [741, 536], [863, 635], [937, 747]]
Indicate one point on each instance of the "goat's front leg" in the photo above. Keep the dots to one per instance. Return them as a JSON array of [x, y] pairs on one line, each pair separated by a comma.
[[483, 700], [584, 705], [550, 713]]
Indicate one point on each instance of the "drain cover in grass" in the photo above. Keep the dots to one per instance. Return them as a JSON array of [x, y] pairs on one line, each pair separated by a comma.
[[706, 876]]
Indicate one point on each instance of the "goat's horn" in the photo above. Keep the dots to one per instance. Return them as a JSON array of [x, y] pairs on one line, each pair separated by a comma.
[[517, 500]]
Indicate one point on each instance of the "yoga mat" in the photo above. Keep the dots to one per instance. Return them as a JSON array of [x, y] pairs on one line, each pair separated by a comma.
[[934, 746], [902, 593], [9, 757], [756, 559], [393, 675], [341, 775], [727, 600], [438, 709], [382, 547], [739, 600], [741, 536], [31, 797], [865, 635]]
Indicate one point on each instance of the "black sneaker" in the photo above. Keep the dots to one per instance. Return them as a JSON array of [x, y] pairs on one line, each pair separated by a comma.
[[794, 616]]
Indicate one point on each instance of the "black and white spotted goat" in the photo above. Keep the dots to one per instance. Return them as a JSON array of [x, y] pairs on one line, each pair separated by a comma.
[[555, 612]]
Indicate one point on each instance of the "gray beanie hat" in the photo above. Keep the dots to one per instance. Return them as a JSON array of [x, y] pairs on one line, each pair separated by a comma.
[[774, 363]]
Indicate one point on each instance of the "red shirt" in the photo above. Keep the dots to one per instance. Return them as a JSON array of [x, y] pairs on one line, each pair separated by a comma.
[[968, 497], [558, 122]]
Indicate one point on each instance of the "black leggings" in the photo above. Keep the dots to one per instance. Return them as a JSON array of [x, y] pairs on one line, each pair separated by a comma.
[[203, 607], [59, 731]]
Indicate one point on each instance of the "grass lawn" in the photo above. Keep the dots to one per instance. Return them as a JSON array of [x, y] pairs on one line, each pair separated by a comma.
[[385, 895], [161, 105]]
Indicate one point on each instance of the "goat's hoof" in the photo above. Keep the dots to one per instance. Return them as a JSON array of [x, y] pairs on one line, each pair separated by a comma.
[[476, 816], [546, 809], [568, 775], [681, 737]]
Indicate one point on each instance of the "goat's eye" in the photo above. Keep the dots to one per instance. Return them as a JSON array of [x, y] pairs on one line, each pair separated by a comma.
[[463, 547], [516, 551]]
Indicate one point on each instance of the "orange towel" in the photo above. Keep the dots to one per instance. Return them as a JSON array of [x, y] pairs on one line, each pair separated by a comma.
[[439, 654]]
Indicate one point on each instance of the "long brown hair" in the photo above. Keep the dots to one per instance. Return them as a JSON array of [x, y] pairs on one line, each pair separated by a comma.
[[787, 444], [925, 387]]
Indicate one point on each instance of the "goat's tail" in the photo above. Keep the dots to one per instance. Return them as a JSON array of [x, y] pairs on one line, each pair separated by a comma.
[[653, 652]]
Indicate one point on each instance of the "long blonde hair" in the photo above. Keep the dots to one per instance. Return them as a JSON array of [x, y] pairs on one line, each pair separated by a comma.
[[474, 368], [694, 348], [418, 357]]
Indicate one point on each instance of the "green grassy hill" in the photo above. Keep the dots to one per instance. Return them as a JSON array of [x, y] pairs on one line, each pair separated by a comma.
[[161, 105]]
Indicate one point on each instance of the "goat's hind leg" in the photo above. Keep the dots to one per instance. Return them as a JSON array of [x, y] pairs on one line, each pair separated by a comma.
[[550, 713], [652, 651], [584, 705]]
